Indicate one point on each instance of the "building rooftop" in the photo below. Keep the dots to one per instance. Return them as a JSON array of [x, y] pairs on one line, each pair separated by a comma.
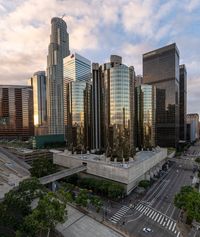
[[139, 158]]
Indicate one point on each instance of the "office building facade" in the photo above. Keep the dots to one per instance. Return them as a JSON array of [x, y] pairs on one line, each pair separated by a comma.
[[58, 49], [192, 127], [118, 107], [183, 101], [97, 108], [145, 116], [161, 69], [77, 101], [38, 82], [16, 112]]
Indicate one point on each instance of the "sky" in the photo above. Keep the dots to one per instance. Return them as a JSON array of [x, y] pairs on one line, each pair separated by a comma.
[[98, 28]]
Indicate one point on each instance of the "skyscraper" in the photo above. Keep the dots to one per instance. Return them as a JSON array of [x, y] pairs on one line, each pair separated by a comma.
[[161, 68], [118, 106], [16, 112], [97, 108], [58, 49], [77, 101], [183, 102], [38, 82], [145, 116]]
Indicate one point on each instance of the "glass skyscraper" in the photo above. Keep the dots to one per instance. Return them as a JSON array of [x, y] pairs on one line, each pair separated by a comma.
[[77, 101], [38, 82], [145, 116], [183, 102], [16, 112], [58, 49], [118, 107], [161, 69]]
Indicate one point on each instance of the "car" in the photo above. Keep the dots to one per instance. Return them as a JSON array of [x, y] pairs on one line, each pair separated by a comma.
[[147, 230]]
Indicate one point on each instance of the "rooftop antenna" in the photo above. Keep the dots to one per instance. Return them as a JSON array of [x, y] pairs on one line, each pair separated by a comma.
[[63, 16]]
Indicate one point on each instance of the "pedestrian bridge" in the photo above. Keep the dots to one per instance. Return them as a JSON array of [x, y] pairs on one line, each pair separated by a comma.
[[61, 174]]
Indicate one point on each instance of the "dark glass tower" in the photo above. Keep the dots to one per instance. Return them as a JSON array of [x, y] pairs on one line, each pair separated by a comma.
[[58, 49], [97, 108], [183, 102], [145, 116], [161, 68]]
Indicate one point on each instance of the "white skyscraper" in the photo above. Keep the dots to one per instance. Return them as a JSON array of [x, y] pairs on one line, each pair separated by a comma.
[[58, 49]]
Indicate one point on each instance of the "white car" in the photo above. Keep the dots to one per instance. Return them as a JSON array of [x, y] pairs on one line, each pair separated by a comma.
[[147, 230]]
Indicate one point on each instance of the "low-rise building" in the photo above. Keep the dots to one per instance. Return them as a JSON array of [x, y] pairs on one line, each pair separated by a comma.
[[145, 165]]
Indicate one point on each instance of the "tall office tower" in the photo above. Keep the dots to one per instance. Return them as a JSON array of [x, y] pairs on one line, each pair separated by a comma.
[[97, 108], [118, 102], [77, 101], [183, 101], [145, 116], [38, 82], [16, 112], [138, 80], [58, 49], [192, 127], [161, 68]]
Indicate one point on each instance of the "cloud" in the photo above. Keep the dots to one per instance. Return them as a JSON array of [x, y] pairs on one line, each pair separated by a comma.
[[98, 29]]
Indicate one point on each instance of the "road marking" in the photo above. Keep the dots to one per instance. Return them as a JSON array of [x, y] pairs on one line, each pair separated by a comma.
[[154, 215], [168, 222], [146, 210], [144, 207], [157, 216], [171, 225], [178, 234], [174, 227], [162, 220], [119, 214], [151, 214]]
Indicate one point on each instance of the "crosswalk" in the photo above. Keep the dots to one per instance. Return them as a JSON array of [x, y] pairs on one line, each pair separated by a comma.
[[158, 217], [119, 214]]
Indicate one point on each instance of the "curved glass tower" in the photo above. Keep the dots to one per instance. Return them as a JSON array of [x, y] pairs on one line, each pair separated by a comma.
[[58, 49], [118, 107]]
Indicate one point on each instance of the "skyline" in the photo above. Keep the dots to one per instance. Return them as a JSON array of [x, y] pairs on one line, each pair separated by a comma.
[[93, 26]]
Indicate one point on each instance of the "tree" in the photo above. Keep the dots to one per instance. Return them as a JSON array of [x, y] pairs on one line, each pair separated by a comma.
[[49, 212], [96, 202], [188, 199], [197, 159], [42, 167], [82, 198], [144, 184], [17, 203]]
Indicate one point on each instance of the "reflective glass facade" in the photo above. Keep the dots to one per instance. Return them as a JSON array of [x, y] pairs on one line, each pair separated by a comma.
[[183, 102], [38, 82], [118, 106], [58, 49], [77, 101], [16, 112], [145, 116], [161, 68]]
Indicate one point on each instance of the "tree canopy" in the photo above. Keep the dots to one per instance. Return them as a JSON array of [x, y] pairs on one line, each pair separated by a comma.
[[42, 167], [188, 199]]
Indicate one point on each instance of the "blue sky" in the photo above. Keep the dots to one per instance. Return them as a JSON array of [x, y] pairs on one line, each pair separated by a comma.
[[97, 29]]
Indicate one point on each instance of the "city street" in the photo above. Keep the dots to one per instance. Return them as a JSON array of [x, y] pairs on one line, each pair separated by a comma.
[[156, 209]]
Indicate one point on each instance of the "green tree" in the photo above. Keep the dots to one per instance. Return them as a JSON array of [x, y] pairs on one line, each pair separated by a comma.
[[188, 199], [82, 198], [42, 167], [96, 202], [144, 184], [49, 212]]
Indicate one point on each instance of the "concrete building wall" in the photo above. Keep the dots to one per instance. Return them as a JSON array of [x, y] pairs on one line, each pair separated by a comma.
[[128, 173]]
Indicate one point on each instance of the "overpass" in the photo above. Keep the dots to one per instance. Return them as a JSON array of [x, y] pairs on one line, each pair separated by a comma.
[[61, 174]]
